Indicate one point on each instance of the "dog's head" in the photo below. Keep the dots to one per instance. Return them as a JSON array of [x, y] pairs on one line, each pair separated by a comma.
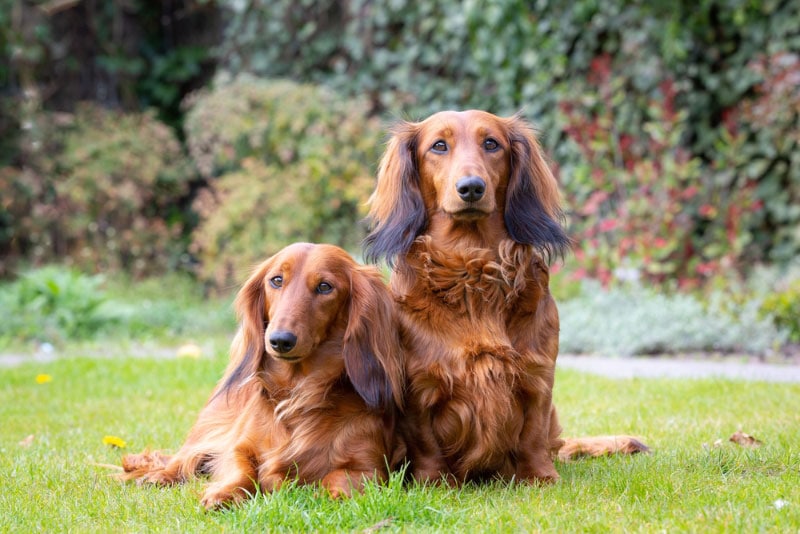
[[465, 167], [307, 298]]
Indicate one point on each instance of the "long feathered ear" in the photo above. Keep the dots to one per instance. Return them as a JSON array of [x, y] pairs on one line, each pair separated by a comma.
[[372, 353], [533, 213], [247, 349], [397, 212]]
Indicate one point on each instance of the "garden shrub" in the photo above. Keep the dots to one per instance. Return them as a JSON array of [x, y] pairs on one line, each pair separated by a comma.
[[765, 131], [784, 307], [777, 288], [630, 320], [53, 304], [57, 304], [123, 175], [639, 202], [411, 58], [102, 192], [286, 162]]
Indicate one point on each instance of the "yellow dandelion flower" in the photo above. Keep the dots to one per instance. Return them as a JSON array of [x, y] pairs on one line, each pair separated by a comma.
[[43, 379], [114, 441], [189, 350]]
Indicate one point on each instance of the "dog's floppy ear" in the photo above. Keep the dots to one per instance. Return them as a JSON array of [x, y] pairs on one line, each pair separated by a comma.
[[247, 350], [372, 353], [397, 212], [533, 213]]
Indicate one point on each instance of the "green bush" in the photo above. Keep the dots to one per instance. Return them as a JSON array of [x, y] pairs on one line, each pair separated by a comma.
[[56, 305], [639, 202], [784, 308], [286, 163], [409, 57], [53, 304], [765, 134], [101, 192]]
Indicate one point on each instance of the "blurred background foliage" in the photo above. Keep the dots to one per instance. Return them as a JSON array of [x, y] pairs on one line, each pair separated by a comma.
[[284, 162], [148, 137], [99, 189]]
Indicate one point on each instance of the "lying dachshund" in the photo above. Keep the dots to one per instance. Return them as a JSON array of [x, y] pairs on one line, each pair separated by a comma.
[[311, 392]]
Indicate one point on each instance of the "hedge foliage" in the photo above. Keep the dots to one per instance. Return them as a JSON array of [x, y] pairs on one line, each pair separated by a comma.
[[674, 126], [285, 163], [98, 189]]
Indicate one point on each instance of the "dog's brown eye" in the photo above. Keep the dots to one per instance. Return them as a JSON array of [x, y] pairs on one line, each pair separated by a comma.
[[491, 145], [439, 146], [276, 282], [324, 288]]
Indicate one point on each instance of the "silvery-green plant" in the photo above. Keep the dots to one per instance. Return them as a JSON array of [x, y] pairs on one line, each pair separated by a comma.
[[632, 320]]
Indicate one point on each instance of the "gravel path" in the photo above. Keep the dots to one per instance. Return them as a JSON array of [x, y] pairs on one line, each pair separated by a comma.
[[680, 368]]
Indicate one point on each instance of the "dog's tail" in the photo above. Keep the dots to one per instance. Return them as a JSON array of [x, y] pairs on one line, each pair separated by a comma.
[[600, 446]]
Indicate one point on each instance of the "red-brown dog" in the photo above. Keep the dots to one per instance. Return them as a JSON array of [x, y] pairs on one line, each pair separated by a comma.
[[312, 388], [468, 213]]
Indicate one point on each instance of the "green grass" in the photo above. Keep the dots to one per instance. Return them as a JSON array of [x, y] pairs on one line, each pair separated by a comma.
[[687, 484]]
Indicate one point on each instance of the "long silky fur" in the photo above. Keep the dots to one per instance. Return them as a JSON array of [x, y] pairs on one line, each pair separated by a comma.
[[532, 213], [397, 213], [479, 326], [329, 419], [368, 352]]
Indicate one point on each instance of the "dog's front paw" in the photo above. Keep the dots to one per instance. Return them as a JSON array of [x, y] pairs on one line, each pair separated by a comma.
[[162, 477], [218, 496], [270, 483], [542, 472], [434, 477], [341, 484]]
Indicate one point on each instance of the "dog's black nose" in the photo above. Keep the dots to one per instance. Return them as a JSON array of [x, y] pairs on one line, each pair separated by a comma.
[[282, 341], [471, 188]]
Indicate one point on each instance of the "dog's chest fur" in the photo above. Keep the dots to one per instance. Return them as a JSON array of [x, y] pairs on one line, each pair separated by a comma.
[[310, 415], [463, 365]]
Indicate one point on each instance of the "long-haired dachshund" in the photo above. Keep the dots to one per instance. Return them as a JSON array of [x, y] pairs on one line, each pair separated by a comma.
[[468, 213], [312, 389]]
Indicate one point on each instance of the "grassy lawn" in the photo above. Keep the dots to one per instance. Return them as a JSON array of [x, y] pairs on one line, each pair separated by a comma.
[[54, 482]]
